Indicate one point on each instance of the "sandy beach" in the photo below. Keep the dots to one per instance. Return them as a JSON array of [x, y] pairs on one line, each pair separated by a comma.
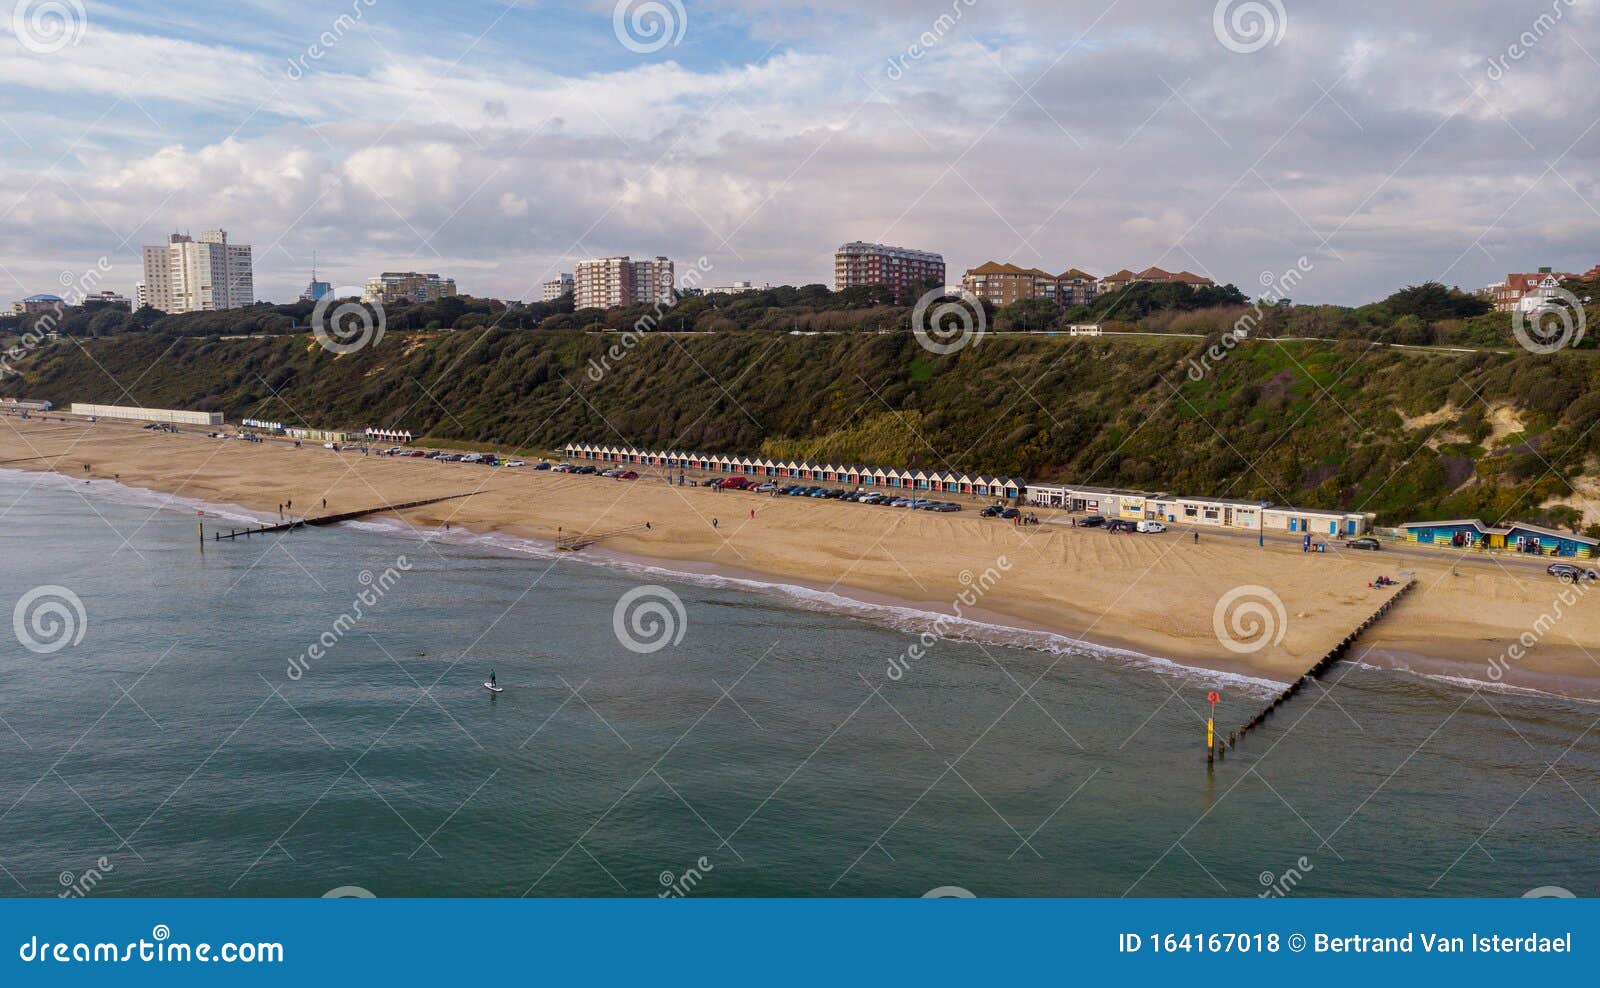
[[1153, 594]]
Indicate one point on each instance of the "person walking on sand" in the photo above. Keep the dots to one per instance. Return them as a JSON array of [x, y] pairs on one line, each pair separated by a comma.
[[1196, 538], [713, 523], [752, 514], [324, 504]]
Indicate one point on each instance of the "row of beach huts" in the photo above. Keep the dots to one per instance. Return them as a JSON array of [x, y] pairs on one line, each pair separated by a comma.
[[1107, 502]]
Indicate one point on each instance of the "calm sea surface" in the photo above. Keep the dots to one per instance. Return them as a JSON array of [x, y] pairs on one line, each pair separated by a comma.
[[170, 751]]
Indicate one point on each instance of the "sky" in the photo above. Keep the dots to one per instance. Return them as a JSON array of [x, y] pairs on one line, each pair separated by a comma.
[[1369, 145]]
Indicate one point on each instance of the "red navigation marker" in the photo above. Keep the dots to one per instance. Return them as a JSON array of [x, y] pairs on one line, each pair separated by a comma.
[[1213, 696]]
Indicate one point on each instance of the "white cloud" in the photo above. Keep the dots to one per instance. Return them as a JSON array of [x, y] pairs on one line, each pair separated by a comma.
[[1362, 126]]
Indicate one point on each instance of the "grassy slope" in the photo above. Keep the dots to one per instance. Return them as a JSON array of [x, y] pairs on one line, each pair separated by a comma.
[[1311, 423]]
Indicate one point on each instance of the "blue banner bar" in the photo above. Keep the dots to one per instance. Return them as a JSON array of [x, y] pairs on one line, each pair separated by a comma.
[[810, 942]]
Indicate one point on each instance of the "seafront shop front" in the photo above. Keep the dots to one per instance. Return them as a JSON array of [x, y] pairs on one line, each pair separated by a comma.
[[1215, 512]]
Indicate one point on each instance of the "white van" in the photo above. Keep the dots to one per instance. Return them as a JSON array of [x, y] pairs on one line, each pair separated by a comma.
[[1151, 526]]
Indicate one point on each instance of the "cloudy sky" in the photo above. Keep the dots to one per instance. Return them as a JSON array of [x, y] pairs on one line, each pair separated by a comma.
[[1386, 142]]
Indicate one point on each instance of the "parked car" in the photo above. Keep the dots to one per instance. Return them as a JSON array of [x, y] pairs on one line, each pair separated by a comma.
[[946, 506], [1150, 526], [1092, 521], [1568, 573], [561, 468], [1372, 545], [543, 466], [1010, 513], [765, 488], [991, 511], [1118, 525], [628, 475]]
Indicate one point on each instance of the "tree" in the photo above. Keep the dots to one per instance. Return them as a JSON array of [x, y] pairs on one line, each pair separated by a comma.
[[1028, 315], [1431, 301]]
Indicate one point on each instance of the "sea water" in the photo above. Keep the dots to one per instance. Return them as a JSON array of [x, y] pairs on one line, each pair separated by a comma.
[[304, 714]]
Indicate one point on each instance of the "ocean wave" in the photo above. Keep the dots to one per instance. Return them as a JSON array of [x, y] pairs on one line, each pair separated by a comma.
[[117, 492], [899, 617], [1482, 685]]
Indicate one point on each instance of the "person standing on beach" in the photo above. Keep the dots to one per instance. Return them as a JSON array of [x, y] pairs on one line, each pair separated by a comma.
[[752, 514], [1196, 538], [713, 523]]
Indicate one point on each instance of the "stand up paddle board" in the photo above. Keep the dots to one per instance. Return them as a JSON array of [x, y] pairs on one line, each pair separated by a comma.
[[492, 688]]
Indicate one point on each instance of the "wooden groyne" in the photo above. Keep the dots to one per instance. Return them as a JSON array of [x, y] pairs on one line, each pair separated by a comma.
[[572, 543], [1315, 672], [321, 520]]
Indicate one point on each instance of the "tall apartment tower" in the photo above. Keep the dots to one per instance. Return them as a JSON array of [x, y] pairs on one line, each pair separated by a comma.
[[904, 271], [611, 281], [654, 281], [205, 275]]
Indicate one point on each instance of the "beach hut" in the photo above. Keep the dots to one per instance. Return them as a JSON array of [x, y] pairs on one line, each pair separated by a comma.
[[1516, 536]]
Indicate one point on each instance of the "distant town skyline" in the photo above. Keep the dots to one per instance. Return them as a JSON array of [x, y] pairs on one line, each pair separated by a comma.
[[1389, 144]]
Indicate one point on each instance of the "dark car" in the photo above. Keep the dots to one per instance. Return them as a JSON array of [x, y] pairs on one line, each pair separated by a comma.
[[1010, 513], [1568, 573], [1371, 545], [1093, 521]]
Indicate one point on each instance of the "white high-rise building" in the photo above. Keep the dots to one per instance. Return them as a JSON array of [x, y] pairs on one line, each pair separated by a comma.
[[553, 289], [653, 281], [205, 275], [607, 282], [141, 298]]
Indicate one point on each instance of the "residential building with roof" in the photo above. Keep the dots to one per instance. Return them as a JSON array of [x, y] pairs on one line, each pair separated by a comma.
[[607, 282], [1001, 283], [902, 270], [34, 304], [1530, 289], [1122, 279], [410, 286]]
